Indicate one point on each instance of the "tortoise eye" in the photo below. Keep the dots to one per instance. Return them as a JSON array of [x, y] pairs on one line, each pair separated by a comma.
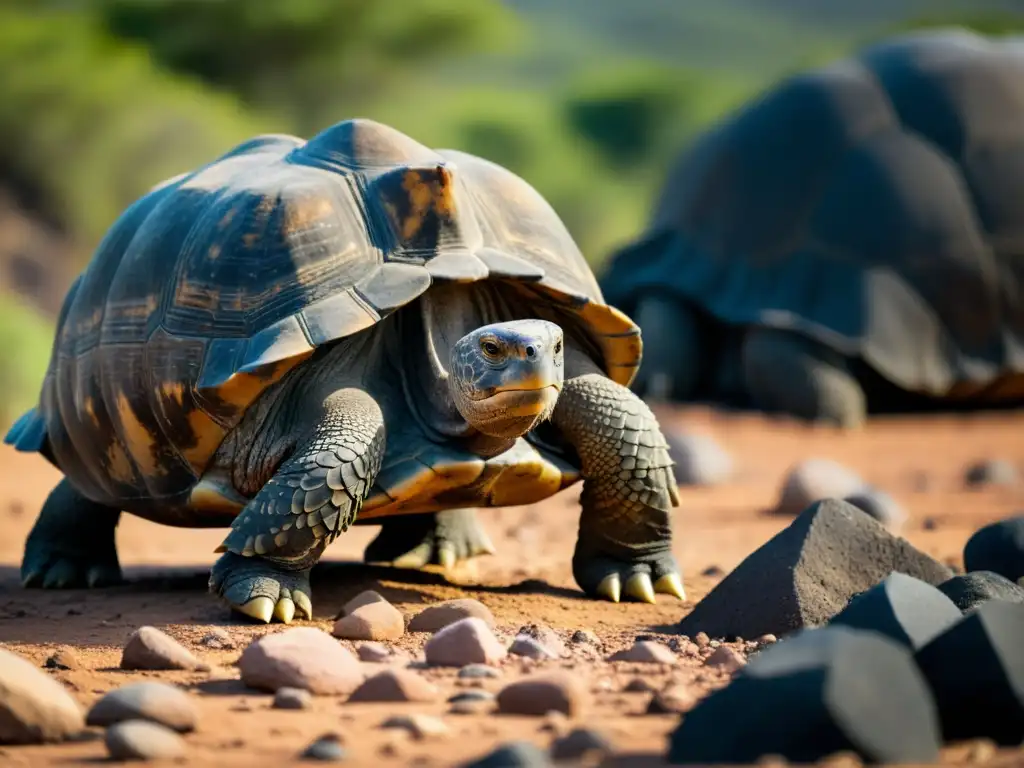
[[490, 348]]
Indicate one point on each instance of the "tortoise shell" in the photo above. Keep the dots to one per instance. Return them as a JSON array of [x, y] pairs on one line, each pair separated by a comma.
[[216, 283], [876, 205]]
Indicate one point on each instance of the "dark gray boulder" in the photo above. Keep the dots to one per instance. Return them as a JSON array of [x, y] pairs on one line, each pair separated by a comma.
[[976, 673], [903, 609], [807, 573], [998, 547], [818, 692], [970, 590]]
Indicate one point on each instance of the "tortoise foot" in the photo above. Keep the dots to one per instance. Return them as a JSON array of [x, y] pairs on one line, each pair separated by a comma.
[[259, 589], [617, 578], [72, 544], [444, 538]]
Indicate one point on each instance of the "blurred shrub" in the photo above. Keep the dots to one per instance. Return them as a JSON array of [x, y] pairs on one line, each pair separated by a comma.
[[88, 123], [306, 57], [25, 338], [984, 22]]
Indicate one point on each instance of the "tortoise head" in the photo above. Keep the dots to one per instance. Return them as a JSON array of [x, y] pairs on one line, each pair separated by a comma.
[[505, 378]]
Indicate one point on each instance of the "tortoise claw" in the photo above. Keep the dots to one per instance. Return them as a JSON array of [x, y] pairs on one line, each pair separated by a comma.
[[284, 611], [446, 558], [259, 608], [639, 587], [610, 588], [671, 584]]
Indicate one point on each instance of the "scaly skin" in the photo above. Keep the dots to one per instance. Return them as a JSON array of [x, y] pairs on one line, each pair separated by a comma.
[[314, 496], [629, 490]]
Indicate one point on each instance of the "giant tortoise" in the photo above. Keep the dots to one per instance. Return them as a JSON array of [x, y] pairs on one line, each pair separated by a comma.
[[300, 333], [851, 242]]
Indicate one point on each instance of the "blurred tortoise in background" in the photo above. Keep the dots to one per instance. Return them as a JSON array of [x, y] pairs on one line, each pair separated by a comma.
[[300, 333], [852, 242]]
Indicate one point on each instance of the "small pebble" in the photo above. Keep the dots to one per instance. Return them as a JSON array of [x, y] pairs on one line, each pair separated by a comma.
[[292, 698], [526, 646], [363, 598], [702, 640], [990, 473], [515, 754], [638, 685], [767, 639], [377, 620], [646, 652], [375, 652], [149, 648], [478, 671], [676, 698], [63, 658], [713, 572], [725, 658], [467, 641], [581, 744], [419, 726], [300, 657], [34, 707], [544, 635], [815, 479], [438, 616], [327, 748], [539, 694], [585, 637], [477, 694], [218, 639], [156, 702], [396, 685], [882, 507], [143, 740], [699, 459]]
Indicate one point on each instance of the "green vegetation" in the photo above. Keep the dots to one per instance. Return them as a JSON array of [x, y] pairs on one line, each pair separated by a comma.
[[587, 99]]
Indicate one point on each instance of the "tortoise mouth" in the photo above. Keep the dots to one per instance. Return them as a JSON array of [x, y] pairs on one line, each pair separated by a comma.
[[513, 413]]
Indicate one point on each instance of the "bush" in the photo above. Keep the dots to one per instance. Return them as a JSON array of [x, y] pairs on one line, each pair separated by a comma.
[[25, 337]]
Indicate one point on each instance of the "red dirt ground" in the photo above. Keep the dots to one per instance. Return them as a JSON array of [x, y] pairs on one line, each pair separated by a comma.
[[919, 461]]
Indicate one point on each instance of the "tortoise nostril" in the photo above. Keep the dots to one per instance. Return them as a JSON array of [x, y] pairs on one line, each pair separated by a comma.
[[531, 351]]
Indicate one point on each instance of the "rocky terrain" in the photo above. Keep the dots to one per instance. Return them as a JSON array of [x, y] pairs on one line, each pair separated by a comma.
[[507, 662]]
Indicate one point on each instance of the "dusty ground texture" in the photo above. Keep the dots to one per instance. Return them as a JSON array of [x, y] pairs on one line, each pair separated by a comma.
[[921, 462]]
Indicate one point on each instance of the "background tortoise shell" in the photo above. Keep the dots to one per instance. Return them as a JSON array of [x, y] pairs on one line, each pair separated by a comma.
[[210, 288], [876, 204]]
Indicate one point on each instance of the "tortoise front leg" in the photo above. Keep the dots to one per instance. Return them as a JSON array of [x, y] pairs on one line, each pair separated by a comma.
[[315, 495], [629, 490]]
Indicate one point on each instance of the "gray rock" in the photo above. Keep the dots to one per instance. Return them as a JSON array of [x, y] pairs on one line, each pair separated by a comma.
[[34, 708], [515, 754], [545, 636], [976, 673], [970, 590], [881, 506], [806, 574], [419, 726], [539, 694], [292, 698], [396, 685], [992, 472], [817, 693], [467, 641], [524, 645], [677, 698], [997, 547], [813, 480], [149, 648], [376, 620], [903, 609], [476, 694], [326, 749], [438, 616], [581, 744], [699, 459], [143, 740], [160, 703], [646, 652], [218, 639], [478, 671], [301, 657]]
